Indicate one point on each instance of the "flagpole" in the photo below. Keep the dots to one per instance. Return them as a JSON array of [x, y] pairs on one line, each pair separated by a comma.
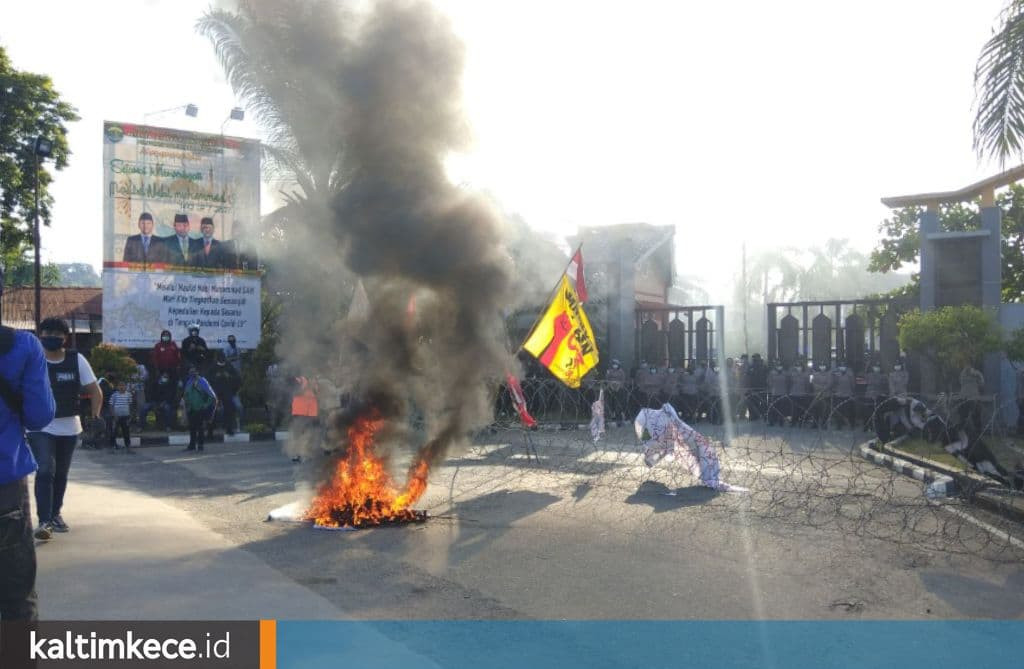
[[551, 294]]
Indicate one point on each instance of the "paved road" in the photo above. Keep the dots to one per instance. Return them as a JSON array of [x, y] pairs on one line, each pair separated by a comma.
[[583, 533]]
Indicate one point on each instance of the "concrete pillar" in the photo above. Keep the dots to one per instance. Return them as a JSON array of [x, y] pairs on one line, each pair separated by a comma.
[[622, 306], [991, 287], [991, 257], [929, 222]]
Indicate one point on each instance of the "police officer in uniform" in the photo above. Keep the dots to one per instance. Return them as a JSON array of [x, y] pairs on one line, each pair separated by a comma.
[[778, 395], [821, 402], [874, 394], [650, 387], [670, 386], [713, 390], [615, 378], [689, 389], [742, 385], [799, 391], [972, 382], [842, 395], [731, 379], [757, 389], [899, 378], [636, 397]]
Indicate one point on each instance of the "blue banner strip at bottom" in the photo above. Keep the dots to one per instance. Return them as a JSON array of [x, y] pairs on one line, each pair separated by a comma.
[[649, 645]]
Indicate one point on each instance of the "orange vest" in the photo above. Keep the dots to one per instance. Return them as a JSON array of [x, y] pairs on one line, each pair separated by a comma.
[[304, 403]]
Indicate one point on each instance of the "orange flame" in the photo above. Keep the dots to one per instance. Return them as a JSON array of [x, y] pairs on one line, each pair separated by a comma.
[[361, 491]]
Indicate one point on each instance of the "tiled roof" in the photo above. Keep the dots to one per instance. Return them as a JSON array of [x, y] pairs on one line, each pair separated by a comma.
[[79, 304]]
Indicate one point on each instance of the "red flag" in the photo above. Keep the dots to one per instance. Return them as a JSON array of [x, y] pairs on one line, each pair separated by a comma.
[[519, 400], [575, 272]]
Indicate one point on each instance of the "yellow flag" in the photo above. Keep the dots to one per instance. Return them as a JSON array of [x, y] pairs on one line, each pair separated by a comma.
[[562, 340]]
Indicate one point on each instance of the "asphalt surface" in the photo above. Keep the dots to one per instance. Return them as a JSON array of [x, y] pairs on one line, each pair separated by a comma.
[[581, 533]]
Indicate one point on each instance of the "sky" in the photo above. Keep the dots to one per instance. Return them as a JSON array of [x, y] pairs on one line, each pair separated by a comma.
[[771, 124]]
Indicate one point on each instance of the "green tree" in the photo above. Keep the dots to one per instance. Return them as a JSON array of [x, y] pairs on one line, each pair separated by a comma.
[[255, 363], [950, 338], [79, 274], [20, 271], [999, 85], [29, 107], [900, 242], [108, 360], [1015, 348]]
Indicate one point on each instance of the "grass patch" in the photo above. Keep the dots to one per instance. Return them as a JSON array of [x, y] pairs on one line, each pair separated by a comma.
[[1008, 451], [922, 449]]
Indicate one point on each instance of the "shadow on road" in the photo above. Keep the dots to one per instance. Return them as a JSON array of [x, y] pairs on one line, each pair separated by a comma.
[[661, 498]]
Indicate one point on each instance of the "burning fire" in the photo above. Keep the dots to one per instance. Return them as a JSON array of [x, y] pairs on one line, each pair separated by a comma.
[[361, 492]]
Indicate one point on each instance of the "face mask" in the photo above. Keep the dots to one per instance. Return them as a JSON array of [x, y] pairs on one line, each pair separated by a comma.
[[671, 370], [220, 363], [779, 368], [165, 339], [613, 366], [842, 369], [653, 370], [877, 369], [52, 343], [898, 367]]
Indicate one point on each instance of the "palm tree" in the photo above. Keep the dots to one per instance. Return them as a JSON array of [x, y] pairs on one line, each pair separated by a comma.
[[999, 85], [282, 58]]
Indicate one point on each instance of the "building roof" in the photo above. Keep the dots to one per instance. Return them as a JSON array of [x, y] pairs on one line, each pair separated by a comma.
[[600, 242], [82, 308], [984, 189]]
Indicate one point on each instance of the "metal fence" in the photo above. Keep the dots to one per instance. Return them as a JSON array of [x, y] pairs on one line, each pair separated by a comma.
[[677, 334], [857, 331]]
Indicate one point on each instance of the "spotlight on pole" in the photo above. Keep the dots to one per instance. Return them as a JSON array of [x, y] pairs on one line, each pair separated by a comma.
[[43, 147], [191, 110], [237, 114]]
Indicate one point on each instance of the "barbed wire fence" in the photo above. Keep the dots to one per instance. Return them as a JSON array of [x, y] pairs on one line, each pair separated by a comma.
[[806, 472]]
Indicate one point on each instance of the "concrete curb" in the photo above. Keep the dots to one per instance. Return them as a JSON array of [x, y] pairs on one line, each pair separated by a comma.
[[938, 485], [975, 488], [178, 439]]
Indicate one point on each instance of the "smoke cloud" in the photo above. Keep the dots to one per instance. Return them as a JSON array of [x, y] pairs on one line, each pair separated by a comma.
[[429, 254]]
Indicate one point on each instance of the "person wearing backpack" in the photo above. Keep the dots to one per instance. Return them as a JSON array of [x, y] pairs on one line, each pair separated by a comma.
[[200, 404], [26, 402], [54, 445]]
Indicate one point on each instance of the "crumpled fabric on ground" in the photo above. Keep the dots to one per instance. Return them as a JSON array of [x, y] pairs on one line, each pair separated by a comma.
[[664, 433]]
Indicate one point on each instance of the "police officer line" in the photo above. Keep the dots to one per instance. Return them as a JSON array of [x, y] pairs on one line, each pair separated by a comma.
[[550, 401]]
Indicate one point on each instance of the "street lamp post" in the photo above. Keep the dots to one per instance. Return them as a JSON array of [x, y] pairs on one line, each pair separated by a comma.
[[42, 149]]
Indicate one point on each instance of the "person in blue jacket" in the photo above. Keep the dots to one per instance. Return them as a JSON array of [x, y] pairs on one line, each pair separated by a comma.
[[26, 403]]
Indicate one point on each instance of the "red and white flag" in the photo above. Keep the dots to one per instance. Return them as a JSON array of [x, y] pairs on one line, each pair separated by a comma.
[[575, 272], [519, 400]]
